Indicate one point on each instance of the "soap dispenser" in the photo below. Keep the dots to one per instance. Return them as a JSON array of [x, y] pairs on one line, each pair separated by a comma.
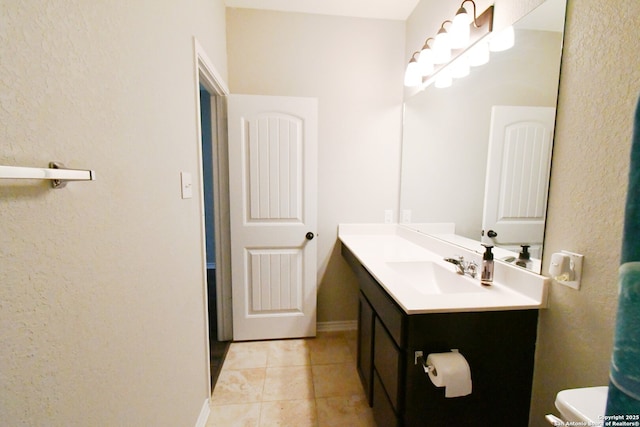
[[486, 277], [524, 258]]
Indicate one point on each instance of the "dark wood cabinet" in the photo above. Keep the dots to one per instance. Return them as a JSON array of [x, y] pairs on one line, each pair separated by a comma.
[[383, 411], [387, 362], [499, 346], [365, 346]]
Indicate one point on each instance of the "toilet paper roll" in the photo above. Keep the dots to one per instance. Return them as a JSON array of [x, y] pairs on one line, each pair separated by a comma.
[[451, 371]]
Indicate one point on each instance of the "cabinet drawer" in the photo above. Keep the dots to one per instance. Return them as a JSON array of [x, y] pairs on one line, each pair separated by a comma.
[[383, 412], [386, 361], [384, 306]]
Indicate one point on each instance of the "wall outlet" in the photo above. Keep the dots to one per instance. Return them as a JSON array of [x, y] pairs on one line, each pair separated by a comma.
[[405, 216], [566, 269], [388, 216]]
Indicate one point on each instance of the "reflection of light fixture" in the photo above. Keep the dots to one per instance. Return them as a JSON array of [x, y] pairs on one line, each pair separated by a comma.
[[503, 40], [425, 60], [463, 34], [479, 54], [444, 79], [412, 75], [460, 67]]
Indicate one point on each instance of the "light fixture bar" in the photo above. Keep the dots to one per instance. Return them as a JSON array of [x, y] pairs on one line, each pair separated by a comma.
[[480, 27]]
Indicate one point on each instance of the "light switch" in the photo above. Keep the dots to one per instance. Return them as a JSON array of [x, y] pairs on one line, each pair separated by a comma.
[[185, 181]]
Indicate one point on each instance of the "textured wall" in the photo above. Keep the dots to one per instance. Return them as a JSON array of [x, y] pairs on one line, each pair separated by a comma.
[[101, 285], [599, 86], [354, 67]]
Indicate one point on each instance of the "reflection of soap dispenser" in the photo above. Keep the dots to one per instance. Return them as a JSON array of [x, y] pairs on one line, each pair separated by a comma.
[[524, 258], [486, 277]]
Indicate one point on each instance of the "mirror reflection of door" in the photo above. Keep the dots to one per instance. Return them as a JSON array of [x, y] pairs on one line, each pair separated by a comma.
[[515, 202]]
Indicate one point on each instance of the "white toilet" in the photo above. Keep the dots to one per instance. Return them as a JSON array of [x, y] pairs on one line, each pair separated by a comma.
[[585, 405]]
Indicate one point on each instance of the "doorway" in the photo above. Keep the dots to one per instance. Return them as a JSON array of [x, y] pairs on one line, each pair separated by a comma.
[[213, 178], [217, 347]]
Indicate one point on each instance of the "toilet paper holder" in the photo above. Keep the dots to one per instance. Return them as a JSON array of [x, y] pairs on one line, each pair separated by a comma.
[[419, 357], [454, 375]]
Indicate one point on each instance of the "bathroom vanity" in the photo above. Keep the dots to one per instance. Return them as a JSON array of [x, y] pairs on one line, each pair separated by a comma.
[[400, 314]]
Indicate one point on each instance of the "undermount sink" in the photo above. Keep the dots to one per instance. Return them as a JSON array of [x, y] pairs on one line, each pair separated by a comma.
[[431, 278]]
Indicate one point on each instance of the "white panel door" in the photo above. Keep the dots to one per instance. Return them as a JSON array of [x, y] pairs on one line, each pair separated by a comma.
[[517, 181], [273, 204]]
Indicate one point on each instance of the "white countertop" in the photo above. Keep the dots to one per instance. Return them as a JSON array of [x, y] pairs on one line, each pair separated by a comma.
[[377, 245]]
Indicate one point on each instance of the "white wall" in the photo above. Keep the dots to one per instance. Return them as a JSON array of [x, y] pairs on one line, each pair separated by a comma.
[[599, 85], [102, 291], [354, 67]]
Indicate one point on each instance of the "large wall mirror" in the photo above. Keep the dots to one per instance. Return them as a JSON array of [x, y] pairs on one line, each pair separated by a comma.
[[477, 154]]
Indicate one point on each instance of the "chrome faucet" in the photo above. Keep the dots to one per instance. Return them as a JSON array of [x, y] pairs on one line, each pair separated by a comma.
[[464, 267]]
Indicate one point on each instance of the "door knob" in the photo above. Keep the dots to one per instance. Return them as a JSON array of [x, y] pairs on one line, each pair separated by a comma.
[[309, 235], [492, 234]]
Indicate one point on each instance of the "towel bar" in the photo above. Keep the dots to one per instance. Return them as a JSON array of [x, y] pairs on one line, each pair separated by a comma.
[[57, 173]]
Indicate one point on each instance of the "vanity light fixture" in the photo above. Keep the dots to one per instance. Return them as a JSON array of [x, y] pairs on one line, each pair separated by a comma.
[[463, 33]]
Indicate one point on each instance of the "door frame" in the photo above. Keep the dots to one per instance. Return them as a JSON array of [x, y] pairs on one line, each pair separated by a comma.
[[207, 76]]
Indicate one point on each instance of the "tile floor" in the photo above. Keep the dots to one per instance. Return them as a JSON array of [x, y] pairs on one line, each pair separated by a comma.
[[301, 382]]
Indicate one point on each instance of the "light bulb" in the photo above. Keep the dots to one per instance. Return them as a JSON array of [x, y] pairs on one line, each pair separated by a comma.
[[425, 61], [460, 31], [412, 75], [503, 40], [462, 17], [441, 47]]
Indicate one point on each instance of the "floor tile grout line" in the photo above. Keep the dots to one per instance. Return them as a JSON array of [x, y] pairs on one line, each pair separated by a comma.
[[309, 364], [313, 386], [264, 381]]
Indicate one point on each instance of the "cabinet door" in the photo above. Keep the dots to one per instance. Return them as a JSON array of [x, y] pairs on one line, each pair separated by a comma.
[[386, 361], [383, 412], [365, 346]]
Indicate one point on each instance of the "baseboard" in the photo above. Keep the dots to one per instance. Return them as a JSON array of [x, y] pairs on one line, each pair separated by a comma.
[[342, 325], [204, 414]]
